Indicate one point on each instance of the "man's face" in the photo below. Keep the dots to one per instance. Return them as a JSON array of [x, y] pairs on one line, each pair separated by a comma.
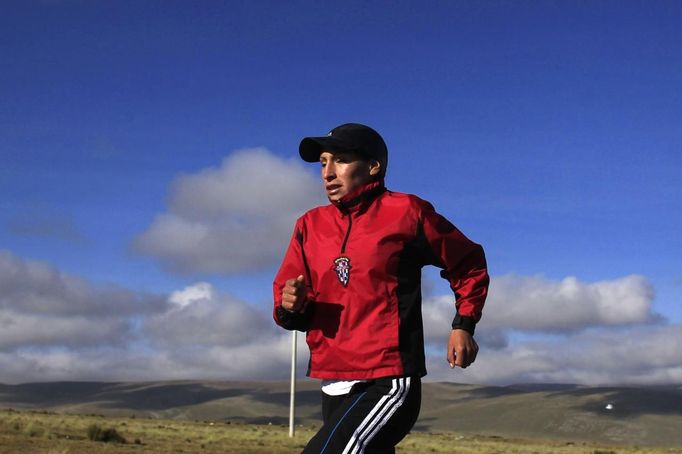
[[344, 172]]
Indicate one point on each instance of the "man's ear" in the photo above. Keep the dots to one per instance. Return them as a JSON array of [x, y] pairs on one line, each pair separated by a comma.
[[374, 167]]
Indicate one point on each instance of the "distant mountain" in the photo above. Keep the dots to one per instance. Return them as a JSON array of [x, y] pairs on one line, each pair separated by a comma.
[[633, 416]]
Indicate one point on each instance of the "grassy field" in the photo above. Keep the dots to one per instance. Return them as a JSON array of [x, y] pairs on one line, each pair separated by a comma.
[[41, 432]]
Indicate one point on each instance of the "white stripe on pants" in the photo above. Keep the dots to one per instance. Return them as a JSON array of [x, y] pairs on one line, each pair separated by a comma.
[[379, 416]]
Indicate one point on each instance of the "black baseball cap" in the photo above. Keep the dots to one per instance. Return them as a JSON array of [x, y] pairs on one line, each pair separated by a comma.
[[353, 137]]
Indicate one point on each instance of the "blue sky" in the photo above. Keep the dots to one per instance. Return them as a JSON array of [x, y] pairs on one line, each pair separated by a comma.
[[549, 132]]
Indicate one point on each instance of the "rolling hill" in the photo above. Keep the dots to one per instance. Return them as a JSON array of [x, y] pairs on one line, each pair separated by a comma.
[[635, 416]]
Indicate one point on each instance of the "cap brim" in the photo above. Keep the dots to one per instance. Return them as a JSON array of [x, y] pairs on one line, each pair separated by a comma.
[[311, 148]]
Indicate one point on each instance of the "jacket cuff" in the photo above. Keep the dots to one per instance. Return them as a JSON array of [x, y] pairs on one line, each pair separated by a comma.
[[294, 320], [464, 322]]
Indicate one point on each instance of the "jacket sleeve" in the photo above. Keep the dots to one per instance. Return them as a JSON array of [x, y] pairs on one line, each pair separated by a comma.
[[293, 265], [463, 265]]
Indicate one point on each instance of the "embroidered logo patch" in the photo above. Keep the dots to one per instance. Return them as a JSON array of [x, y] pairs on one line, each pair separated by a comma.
[[342, 268]]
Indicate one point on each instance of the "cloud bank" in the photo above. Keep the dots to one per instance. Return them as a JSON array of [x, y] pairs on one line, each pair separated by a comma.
[[642, 355], [42, 307], [533, 304], [234, 218], [543, 331], [54, 326]]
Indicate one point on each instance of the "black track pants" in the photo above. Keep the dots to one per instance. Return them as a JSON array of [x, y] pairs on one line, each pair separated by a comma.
[[371, 419]]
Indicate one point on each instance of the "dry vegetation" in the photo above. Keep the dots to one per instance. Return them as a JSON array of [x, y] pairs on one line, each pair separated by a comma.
[[54, 433]]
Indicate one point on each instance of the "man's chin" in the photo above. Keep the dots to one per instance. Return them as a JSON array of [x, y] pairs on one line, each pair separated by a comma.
[[335, 197]]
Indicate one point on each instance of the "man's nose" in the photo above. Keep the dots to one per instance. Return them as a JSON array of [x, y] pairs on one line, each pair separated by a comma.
[[328, 172]]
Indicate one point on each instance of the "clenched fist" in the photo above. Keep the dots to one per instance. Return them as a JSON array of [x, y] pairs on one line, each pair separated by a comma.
[[462, 349], [293, 294]]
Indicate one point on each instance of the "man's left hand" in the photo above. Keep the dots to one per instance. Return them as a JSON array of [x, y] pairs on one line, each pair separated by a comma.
[[462, 348]]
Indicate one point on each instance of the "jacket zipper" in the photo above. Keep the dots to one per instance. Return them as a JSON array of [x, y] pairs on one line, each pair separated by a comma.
[[345, 240]]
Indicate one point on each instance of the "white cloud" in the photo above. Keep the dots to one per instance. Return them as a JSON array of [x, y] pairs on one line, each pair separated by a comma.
[[23, 330], [206, 319], [54, 326], [33, 287], [217, 336], [267, 360], [636, 356], [237, 217], [41, 306], [565, 332], [536, 304], [188, 295]]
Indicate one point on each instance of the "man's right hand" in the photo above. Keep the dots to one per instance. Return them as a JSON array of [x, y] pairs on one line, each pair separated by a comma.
[[294, 294]]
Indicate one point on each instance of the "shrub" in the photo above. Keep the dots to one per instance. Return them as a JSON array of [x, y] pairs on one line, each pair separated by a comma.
[[96, 433], [32, 430]]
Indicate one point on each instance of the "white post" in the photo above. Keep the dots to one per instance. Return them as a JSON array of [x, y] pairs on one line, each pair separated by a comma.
[[292, 400]]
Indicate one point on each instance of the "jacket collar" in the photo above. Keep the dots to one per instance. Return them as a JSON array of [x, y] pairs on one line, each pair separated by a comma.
[[361, 198]]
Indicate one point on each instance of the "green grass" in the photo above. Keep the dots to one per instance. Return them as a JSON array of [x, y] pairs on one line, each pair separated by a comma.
[[54, 433]]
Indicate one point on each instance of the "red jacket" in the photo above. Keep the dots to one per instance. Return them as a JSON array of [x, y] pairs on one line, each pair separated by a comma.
[[361, 258]]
